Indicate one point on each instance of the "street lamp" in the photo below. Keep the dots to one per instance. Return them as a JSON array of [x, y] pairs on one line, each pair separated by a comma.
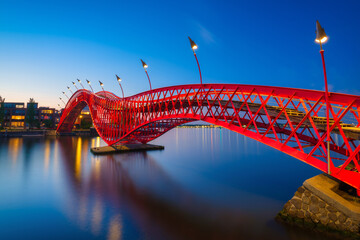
[[88, 82], [70, 90], [119, 80], [80, 83], [194, 47], [62, 100], [322, 38], [102, 86], [65, 95], [75, 85], [145, 66]]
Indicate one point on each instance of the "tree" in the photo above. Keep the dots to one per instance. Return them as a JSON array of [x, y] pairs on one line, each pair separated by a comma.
[[2, 111], [30, 112], [48, 123]]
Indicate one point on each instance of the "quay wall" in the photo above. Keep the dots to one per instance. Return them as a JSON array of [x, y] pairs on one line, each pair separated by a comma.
[[321, 204]]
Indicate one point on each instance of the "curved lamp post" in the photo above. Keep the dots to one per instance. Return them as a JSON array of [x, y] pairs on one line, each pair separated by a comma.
[[70, 90], [80, 83], [75, 86], [65, 95], [119, 81], [322, 38], [62, 100], [145, 66], [194, 47], [88, 82], [102, 86]]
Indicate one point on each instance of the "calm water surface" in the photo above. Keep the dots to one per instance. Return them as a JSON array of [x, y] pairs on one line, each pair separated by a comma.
[[206, 184]]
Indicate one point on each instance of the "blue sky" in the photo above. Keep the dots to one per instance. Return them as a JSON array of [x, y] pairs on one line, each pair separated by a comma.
[[44, 45]]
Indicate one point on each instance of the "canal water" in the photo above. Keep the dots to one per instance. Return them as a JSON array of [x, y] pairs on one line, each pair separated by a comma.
[[208, 183]]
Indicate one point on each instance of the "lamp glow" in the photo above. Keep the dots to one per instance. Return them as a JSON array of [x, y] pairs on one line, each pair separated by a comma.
[[193, 47], [118, 78], [321, 36], [65, 95], [102, 86], [70, 90], [119, 81], [62, 99], [88, 82], [144, 64], [75, 86], [80, 83], [193, 44]]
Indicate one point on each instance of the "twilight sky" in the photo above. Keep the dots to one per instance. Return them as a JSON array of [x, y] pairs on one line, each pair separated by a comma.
[[45, 45]]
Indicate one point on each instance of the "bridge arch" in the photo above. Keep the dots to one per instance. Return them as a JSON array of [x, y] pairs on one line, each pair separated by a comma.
[[289, 120]]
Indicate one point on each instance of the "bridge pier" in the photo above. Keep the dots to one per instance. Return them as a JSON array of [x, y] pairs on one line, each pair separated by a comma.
[[125, 148], [324, 204]]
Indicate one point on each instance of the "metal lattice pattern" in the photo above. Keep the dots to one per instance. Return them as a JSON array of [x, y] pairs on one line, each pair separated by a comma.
[[290, 120]]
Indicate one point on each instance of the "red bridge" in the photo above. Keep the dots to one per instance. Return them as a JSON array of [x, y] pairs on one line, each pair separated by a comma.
[[290, 120]]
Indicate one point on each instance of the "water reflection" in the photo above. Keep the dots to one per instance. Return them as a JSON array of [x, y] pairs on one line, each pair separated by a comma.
[[157, 195], [115, 228], [152, 198], [46, 156], [78, 159], [15, 145]]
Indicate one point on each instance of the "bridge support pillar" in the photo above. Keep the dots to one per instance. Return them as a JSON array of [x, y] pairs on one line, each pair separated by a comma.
[[324, 204]]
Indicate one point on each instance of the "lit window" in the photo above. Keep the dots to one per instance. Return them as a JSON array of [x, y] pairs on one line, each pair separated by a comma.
[[18, 117], [17, 124], [47, 111], [19, 106]]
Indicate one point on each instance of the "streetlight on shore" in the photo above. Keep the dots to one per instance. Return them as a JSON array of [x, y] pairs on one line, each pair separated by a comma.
[[119, 81], [65, 95], [88, 82], [70, 90], [75, 86], [194, 47], [62, 100], [145, 66], [80, 83], [321, 38], [102, 86]]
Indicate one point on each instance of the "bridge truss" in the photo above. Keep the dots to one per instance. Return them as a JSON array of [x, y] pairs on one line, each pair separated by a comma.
[[290, 120]]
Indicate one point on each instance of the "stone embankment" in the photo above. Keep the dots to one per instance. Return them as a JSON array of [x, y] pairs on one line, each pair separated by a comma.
[[320, 204]]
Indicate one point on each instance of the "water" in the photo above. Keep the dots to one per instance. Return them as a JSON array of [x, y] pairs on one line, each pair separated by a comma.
[[206, 184]]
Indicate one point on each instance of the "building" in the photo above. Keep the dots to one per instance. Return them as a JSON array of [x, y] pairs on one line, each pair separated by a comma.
[[15, 116]]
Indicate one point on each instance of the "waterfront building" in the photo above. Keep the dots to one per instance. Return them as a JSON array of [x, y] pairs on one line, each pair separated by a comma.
[[15, 115]]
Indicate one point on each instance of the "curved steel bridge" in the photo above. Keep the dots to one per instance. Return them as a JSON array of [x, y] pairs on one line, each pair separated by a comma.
[[290, 120]]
